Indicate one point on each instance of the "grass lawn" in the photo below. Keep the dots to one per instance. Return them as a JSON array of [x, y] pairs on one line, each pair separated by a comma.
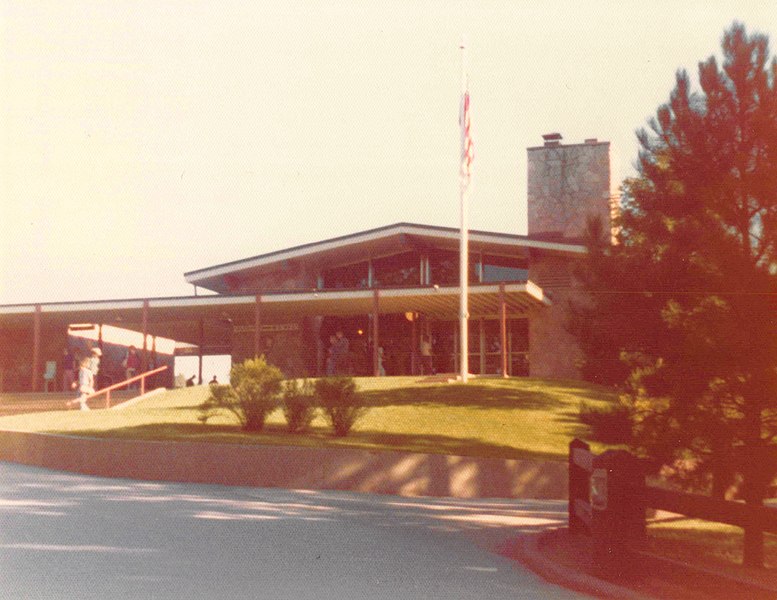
[[714, 545], [515, 418]]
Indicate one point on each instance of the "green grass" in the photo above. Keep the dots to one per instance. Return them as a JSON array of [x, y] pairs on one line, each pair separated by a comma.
[[693, 540], [514, 418]]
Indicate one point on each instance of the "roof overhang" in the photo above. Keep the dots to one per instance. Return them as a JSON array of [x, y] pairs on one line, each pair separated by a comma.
[[180, 318], [375, 243]]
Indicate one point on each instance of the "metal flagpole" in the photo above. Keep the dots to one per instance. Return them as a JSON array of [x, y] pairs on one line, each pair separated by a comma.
[[464, 241]]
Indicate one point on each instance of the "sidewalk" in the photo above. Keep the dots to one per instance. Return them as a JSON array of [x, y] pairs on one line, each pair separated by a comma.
[[564, 559]]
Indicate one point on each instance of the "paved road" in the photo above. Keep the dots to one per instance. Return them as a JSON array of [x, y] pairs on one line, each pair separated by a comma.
[[71, 536]]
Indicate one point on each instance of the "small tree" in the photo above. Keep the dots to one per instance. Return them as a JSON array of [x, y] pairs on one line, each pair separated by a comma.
[[341, 404], [252, 395], [299, 404]]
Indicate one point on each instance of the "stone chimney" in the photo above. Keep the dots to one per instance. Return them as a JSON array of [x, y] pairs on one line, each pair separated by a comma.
[[566, 184]]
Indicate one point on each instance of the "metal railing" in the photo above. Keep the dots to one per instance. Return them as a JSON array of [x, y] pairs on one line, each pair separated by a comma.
[[107, 391]]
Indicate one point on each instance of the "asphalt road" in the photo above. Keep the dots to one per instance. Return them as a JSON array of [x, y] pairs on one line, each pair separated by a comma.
[[70, 536]]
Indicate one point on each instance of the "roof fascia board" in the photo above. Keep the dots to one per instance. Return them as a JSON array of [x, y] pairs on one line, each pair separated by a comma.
[[278, 297]]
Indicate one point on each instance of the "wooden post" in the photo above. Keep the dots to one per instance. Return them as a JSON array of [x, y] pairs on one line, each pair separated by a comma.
[[36, 348], [375, 333], [578, 487], [618, 516], [257, 326], [503, 329]]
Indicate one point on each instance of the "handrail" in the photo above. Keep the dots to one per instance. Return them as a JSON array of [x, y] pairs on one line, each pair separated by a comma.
[[141, 378]]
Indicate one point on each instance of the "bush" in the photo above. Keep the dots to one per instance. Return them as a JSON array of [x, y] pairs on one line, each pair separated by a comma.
[[340, 402], [299, 404], [252, 395], [257, 385], [610, 424], [222, 397]]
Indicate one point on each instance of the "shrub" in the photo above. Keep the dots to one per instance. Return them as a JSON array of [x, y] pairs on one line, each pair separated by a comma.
[[257, 385], [610, 424], [222, 397], [340, 402], [299, 404], [252, 395]]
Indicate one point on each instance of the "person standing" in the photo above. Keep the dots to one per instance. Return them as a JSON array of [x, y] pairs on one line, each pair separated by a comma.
[[426, 355], [340, 353], [331, 355], [68, 370], [94, 365], [85, 384], [381, 368], [132, 365]]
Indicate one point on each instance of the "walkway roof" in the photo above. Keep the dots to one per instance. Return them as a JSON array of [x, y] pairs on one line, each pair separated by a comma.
[[178, 318]]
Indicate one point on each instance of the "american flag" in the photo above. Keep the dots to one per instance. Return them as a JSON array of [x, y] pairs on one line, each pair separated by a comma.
[[467, 150]]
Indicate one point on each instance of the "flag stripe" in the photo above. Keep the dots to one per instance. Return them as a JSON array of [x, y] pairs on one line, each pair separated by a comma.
[[467, 148]]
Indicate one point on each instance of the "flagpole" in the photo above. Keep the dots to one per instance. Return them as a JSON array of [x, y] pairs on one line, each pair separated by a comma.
[[463, 238]]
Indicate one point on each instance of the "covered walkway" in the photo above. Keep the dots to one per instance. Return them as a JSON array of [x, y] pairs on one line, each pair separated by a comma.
[[209, 322]]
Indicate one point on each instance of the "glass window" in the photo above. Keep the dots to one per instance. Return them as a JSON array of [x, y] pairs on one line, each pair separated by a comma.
[[444, 267], [504, 268], [397, 270], [347, 277]]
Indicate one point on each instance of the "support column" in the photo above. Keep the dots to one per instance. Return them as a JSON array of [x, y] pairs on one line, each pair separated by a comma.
[[482, 336], [503, 328], [258, 326], [375, 334], [36, 348], [201, 341], [413, 345], [456, 347], [100, 336], [144, 319]]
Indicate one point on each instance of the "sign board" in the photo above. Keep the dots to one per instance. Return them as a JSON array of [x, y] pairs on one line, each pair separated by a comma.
[[599, 489], [275, 328]]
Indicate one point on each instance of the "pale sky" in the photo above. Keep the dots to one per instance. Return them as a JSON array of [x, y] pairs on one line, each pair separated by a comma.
[[142, 139]]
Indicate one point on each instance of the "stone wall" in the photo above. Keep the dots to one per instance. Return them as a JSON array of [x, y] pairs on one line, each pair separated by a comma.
[[553, 351], [566, 184]]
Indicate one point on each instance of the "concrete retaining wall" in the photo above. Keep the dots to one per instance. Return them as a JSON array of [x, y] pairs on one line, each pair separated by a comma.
[[400, 473]]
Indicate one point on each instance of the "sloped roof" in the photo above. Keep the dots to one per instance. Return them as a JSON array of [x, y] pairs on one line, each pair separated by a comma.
[[376, 242]]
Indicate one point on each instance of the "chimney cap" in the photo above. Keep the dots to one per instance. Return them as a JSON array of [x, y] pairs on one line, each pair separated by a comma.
[[552, 137]]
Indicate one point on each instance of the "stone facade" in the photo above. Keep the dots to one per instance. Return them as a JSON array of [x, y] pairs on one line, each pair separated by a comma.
[[566, 185], [553, 351]]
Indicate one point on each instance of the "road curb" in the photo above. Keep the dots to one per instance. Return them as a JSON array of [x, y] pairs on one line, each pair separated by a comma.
[[532, 557]]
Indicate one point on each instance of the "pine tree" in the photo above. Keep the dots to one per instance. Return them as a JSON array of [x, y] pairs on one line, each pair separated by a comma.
[[687, 298]]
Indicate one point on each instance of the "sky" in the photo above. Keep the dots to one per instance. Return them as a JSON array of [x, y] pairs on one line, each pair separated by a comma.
[[143, 139]]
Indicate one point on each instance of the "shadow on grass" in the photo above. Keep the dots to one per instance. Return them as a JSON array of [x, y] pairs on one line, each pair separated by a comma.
[[277, 435], [483, 396]]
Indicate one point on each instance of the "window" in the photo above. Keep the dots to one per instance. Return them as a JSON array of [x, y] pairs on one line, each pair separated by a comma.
[[444, 267], [397, 270], [346, 277], [504, 268]]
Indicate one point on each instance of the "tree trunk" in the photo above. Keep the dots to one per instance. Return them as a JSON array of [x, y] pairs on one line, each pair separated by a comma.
[[753, 552], [755, 485]]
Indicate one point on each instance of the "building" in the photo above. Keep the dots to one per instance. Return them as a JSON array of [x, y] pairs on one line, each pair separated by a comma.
[[385, 289]]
